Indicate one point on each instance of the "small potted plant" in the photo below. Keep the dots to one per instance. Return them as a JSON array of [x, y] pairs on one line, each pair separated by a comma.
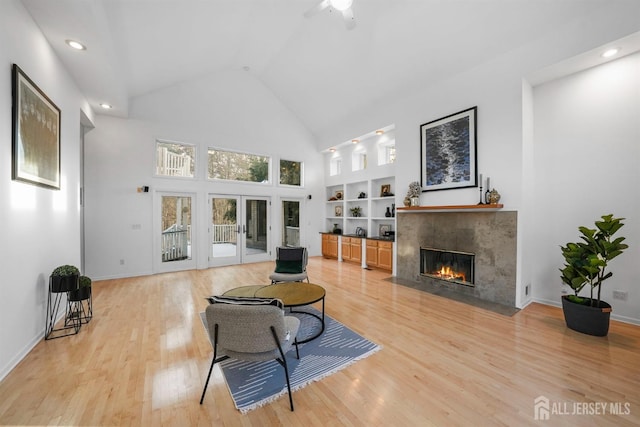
[[64, 278], [84, 289], [413, 194], [585, 266], [356, 211]]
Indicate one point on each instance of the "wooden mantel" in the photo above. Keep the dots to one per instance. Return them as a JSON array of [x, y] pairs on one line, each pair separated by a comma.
[[451, 208]]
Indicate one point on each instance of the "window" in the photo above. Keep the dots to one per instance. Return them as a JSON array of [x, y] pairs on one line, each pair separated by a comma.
[[386, 153], [335, 166], [175, 159], [235, 166], [358, 161], [290, 172]]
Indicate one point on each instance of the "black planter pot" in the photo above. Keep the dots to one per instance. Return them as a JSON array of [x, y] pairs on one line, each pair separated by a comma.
[[80, 294], [586, 319], [63, 283]]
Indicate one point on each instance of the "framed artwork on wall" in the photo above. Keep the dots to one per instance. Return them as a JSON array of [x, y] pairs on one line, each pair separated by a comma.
[[448, 156], [36, 134]]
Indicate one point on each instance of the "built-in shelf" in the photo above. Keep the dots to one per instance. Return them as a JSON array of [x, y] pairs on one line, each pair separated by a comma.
[[451, 208]]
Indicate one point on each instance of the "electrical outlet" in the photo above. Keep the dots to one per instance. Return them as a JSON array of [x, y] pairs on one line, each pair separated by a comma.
[[527, 289], [620, 295]]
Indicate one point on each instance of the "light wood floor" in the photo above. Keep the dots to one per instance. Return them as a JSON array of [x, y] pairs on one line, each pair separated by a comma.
[[144, 357]]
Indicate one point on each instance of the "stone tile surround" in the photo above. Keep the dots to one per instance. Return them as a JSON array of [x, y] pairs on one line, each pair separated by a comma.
[[492, 236]]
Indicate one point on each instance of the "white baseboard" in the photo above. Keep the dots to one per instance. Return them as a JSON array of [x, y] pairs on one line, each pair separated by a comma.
[[25, 350]]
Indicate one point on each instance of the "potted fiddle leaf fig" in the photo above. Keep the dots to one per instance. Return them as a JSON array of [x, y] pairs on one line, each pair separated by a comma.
[[585, 266], [64, 278]]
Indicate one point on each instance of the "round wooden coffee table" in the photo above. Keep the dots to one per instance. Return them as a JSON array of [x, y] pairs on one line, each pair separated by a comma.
[[292, 294]]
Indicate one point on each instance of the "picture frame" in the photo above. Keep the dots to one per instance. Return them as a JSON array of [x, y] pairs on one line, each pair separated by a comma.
[[383, 229], [338, 210], [385, 190], [339, 194], [35, 134], [448, 151]]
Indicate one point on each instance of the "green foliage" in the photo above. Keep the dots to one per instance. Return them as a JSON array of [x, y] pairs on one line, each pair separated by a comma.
[[84, 281], [586, 261], [65, 270], [259, 170], [289, 172]]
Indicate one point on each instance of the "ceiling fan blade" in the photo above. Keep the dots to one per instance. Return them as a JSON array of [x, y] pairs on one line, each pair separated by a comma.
[[317, 8], [349, 19]]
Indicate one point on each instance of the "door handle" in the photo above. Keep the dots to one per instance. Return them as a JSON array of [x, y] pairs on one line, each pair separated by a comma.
[[244, 229], [238, 229]]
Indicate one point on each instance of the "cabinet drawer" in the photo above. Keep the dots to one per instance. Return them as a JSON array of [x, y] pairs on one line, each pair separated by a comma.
[[386, 245], [372, 243]]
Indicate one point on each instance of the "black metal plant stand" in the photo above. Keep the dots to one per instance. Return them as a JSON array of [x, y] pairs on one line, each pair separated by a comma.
[[72, 323], [79, 306]]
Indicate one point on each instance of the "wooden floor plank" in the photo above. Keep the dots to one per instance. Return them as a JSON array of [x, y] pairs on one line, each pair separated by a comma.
[[144, 357]]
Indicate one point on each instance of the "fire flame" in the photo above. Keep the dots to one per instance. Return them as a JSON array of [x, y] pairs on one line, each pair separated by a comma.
[[447, 273]]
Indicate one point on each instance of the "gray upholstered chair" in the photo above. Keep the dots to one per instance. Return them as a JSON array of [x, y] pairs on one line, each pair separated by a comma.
[[250, 332], [291, 265]]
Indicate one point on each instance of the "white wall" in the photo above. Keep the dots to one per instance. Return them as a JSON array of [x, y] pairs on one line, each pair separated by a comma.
[[230, 110], [586, 157], [40, 227], [496, 88]]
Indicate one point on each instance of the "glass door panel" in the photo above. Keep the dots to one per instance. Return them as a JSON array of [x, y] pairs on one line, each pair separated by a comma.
[[224, 231], [290, 223], [255, 229], [174, 242]]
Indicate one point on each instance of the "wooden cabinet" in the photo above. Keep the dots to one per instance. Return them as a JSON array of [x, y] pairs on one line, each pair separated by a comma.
[[380, 254], [352, 249], [372, 253], [330, 246], [385, 255]]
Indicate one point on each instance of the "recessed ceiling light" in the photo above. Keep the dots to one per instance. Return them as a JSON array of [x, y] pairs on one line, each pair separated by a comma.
[[106, 106], [355, 141], [610, 52], [76, 45], [333, 150], [340, 4], [379, 132]]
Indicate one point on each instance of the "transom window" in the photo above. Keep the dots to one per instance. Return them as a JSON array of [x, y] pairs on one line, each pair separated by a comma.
[[235, 166], [291, 173], [335, 166], [387, 153], [175, 159]]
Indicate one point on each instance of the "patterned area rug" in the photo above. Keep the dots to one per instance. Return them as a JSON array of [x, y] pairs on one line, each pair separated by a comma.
[[254, 384]]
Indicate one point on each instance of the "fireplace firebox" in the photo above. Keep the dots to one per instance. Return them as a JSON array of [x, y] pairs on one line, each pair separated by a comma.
[[450, 266]]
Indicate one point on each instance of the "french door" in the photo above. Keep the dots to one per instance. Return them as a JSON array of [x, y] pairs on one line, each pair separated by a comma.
[[174, 237], [239, 229]]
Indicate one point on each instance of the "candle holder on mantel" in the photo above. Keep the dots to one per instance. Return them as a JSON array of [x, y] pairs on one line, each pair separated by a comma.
[[481, 196]]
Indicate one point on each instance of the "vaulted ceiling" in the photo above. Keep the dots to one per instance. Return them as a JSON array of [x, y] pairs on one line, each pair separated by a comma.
[[320, 70]]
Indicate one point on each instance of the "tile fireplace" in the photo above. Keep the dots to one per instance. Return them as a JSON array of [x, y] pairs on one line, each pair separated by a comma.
[[489, 238]]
